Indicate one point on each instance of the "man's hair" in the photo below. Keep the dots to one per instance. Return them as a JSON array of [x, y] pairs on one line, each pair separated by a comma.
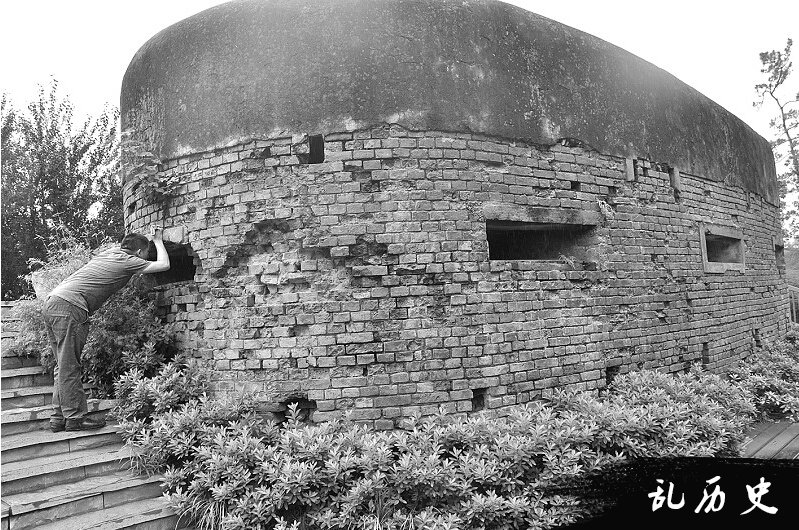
[[134, 242]]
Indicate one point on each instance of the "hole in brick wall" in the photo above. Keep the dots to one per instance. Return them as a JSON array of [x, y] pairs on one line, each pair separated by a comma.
[[305, 409], [758, 341], [705, 354], [131, 208], [536, 241], [635, 168], [266, 152], [365, 370], [181, 263], [610, 374], [316, 146], [571, 142], [779, 257], [723, 249], [479, 398], [575, 185]]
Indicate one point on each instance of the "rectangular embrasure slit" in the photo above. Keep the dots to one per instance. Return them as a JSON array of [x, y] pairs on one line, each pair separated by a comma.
[[316, 148], [479, 399], [509, 240], [779, 257], [723, 249]]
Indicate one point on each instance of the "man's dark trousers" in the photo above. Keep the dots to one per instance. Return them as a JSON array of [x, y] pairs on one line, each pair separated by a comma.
[[67, 326]]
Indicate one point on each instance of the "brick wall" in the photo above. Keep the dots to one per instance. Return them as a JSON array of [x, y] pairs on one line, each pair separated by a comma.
[[364, 282]]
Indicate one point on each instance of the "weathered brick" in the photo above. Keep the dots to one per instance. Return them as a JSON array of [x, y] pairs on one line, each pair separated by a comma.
[[368, 283]]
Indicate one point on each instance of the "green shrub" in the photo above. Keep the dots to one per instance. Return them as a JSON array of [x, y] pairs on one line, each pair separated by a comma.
[[772, 379], [126, 332], [694, 414], [139, 397], [227, 468]]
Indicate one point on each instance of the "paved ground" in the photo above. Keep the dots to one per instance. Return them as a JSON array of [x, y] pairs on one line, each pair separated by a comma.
[[773, 440]]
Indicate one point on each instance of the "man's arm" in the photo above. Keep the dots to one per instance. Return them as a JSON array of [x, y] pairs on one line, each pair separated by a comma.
[[161, 262]]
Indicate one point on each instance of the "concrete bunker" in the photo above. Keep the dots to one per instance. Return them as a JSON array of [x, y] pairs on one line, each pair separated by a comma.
[[429, 235]]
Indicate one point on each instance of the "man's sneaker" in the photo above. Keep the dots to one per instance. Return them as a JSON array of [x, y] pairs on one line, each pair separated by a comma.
[[84, 424], [57, 426]]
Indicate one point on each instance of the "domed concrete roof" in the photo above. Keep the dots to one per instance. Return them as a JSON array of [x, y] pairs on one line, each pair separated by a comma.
[[252, 68]]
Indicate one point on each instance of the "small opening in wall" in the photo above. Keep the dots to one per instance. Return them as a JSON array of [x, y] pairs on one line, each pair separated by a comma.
[[575, 185], [779, 256], [479, 398], [316, 146], [131, 208], [365, 371], [705, 354], [610, 374], [305, 410], [756, 335], [534, 241], [723, 249], [181, 263]]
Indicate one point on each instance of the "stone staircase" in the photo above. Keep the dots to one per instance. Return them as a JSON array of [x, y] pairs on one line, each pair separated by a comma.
[[67, 480]]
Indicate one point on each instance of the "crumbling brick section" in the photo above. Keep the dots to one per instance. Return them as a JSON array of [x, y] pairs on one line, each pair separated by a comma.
[[360, 278]]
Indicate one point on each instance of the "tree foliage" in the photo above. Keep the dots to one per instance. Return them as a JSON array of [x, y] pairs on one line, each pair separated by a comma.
[[785, 125], [57, 176]]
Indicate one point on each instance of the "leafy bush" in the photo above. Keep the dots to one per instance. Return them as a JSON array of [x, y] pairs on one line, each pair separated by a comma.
[[139, 397], [772, 379], [694, 414], [125, 333], [227, 468]]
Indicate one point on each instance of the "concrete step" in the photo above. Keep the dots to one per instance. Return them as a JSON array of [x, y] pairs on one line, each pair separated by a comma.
[[24, 377], [42, 472], [53, 504], [28, 510], [148, 514], [8, 362], [31, 396], [26, 419], [34, 444]]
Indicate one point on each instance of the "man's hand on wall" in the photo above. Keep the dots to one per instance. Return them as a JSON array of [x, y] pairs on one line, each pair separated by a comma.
[[156, 232]]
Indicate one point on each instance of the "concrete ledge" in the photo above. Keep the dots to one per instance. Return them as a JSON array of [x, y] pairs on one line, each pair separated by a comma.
[[533, 214]]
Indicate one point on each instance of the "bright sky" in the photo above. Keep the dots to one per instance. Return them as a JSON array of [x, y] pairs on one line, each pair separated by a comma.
[[711, 45]]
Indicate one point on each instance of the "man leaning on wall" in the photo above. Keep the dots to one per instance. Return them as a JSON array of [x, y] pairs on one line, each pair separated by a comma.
[[66, 314]]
